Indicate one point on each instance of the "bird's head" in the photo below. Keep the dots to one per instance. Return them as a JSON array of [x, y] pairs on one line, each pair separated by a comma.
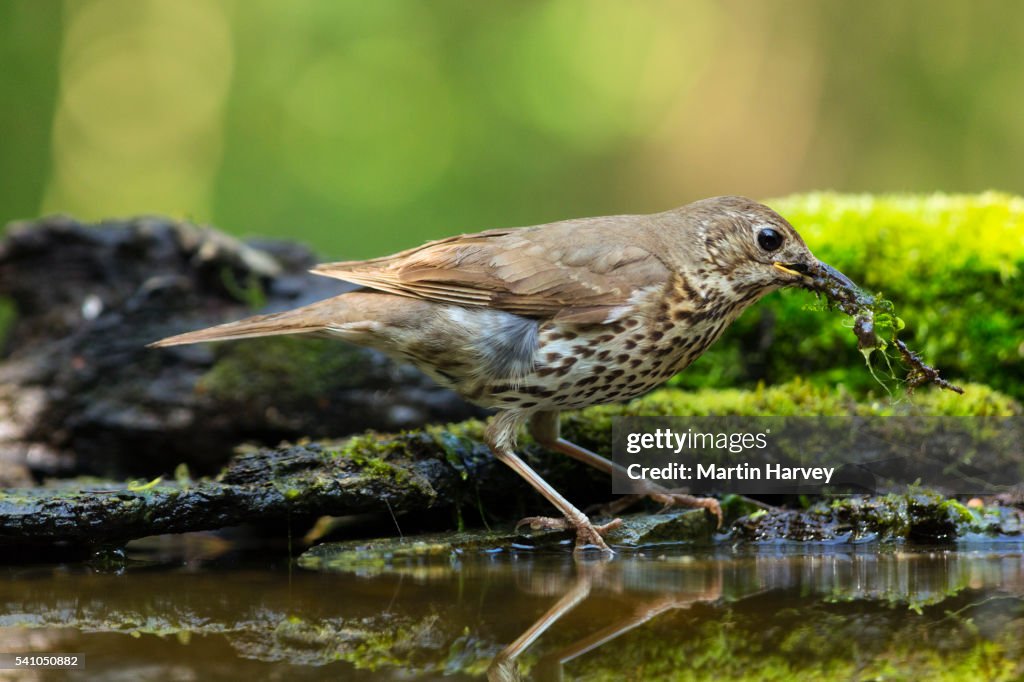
[[756, 251]]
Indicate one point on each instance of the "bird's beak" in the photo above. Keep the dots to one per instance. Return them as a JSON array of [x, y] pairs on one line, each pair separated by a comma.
[[817, 276], [794, 269], [824, 275]]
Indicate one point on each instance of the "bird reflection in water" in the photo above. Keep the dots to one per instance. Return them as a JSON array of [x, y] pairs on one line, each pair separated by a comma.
[[598, 577]]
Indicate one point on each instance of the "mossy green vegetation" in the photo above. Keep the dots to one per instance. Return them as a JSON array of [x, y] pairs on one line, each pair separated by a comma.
[[370, 452], [823, 642], [952, 265], [422, 551], [592, 426], [915, 516], [877, 328], [7, 315], [287, 369]]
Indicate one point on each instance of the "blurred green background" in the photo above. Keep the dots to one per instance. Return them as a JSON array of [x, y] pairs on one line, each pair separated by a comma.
[[363, 127]]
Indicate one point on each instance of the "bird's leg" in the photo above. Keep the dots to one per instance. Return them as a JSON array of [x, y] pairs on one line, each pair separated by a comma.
[[501, 437], [546, 430], [504, 665]]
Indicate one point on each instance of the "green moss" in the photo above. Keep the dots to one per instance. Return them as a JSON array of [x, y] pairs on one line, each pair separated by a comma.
[[959, 512], [826, 642], [405, 644], [927, 233], [7, 315], [951, 264], [425, 550], [462, 444], [456, 440], [283, 368], [920, 516], [798, 397], [369, 452], [250, 291], [592, 427], [381, 469]]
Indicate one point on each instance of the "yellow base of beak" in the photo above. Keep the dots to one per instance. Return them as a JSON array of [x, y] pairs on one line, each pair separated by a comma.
[[783, 268]]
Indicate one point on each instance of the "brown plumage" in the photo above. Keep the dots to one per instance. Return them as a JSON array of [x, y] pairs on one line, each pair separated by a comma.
[[559, 316]]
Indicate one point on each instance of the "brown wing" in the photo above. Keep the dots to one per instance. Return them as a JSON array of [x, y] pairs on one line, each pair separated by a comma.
[[576, 271]]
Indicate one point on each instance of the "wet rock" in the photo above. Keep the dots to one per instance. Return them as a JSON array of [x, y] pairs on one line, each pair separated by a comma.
[[692, 527], [80, 393], [920, 517], [436, 549]]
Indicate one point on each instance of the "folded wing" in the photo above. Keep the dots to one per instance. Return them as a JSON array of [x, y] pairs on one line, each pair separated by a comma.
[[571, 271]]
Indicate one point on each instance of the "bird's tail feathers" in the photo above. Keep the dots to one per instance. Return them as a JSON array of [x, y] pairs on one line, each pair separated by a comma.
[[299, 321]]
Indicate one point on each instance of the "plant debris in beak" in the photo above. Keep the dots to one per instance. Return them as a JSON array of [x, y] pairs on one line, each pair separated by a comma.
[[875, 325]]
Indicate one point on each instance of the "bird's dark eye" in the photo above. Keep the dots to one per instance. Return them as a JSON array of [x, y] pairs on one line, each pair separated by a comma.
[[769, 239]]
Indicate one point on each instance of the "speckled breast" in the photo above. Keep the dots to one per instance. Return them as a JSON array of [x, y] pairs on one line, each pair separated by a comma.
[[577, 366]]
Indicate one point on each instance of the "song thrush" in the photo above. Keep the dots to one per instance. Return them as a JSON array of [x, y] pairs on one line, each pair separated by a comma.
[[535, 320]]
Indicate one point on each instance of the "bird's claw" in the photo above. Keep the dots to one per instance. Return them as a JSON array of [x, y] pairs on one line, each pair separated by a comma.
[[587, 534], [709, 504], [667, 500], [544, 523]]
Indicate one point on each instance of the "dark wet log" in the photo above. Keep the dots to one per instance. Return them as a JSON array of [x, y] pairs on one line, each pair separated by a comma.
[[440, 470], [80, 392], [413, 472]]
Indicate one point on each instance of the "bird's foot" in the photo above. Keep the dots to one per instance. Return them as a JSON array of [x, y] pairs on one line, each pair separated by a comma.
[[667, 500], [587, 534]]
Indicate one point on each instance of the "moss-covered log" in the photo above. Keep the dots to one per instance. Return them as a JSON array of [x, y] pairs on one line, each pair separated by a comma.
[[411, 472], [429, 469]]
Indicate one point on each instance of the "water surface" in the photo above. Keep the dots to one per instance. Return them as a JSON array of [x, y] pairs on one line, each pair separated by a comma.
[[779, 612]]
